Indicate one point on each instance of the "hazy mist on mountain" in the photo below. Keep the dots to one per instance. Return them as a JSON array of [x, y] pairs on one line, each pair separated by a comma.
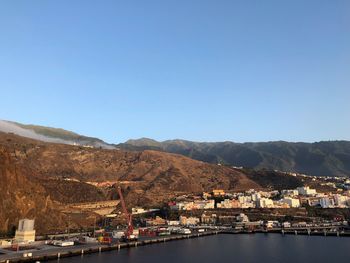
[[54, 135]]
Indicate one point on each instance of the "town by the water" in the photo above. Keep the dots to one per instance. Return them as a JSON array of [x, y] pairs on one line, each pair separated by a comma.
[[299, 211]]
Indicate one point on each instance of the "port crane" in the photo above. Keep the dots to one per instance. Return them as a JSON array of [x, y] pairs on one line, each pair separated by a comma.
[[129, 232]]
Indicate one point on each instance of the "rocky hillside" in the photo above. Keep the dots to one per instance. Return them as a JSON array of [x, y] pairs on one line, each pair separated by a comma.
[[328, 158], [38, 179], [25, 194]]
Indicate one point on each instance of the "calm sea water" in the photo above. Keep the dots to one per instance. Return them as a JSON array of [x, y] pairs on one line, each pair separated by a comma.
[[231, 248]]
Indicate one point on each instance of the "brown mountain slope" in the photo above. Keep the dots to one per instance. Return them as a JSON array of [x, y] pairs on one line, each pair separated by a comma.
[[22, 197], [35, 178], [22, 194]]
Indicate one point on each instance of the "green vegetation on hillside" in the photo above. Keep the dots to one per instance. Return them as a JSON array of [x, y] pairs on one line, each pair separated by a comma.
[[327, 158]]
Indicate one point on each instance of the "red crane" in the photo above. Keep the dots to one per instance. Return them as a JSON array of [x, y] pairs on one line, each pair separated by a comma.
[[129, 233]]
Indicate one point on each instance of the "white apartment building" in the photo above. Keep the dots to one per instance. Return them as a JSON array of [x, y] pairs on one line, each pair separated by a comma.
[[244, 199], [306, 190], [326, 202], [264, 203], [186, 221]]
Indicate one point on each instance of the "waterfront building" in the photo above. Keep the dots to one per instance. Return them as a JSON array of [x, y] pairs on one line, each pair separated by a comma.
[[158, 221], [25, 232], [286, 225], [226, 219], [209, 219], [242, 218], [189, 221], [300, 224], [272, 224]]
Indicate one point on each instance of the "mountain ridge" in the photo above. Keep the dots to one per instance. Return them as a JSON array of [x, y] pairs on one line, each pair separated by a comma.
[[328, 158], [323, 158]]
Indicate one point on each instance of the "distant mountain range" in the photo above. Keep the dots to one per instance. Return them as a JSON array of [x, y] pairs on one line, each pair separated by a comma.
[[54, 135], [326, 158]]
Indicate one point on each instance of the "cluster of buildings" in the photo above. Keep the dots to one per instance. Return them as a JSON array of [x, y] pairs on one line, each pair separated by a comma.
[[293, 198], [204, 218], [253, 199], [183, 221], [335, 182], [310, 197], [192, 205]]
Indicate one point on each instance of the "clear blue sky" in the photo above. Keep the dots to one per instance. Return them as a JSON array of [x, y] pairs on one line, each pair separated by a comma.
[[192, 69]]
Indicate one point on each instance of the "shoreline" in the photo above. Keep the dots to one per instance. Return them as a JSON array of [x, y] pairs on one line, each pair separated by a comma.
[[99, 248]]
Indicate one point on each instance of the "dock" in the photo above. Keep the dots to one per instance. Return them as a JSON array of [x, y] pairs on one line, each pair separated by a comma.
[[57, 252]]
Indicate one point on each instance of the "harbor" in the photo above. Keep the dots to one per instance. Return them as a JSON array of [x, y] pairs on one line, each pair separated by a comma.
[[51, 253], [140, 228], [47, 253]]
